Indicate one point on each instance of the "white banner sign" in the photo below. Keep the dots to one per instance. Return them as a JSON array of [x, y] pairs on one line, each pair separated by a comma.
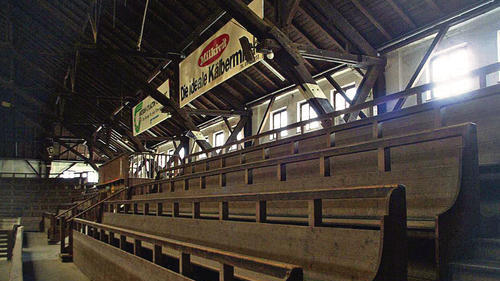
[[217, 60], [147, 113]]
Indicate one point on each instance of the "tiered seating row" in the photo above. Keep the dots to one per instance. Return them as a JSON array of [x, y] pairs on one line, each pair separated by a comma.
[[159, 250], [327, 249], [438, 167], [33, 197]]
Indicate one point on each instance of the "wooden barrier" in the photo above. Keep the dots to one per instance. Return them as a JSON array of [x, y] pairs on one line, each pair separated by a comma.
[[334, 246], [478, 106], [228, 261], [439, 168]]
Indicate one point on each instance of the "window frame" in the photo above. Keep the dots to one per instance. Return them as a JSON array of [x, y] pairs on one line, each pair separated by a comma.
[[283, 133]]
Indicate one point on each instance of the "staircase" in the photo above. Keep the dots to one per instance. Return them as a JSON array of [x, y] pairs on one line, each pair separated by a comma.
[[4, 245], [484, 261]]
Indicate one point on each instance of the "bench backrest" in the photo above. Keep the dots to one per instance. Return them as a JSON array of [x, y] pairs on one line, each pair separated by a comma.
[[326, 251], [429, 163]]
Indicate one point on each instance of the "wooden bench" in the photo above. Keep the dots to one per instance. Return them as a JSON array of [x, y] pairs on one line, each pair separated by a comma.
[[327, 243], [106, 261], [438, 167]]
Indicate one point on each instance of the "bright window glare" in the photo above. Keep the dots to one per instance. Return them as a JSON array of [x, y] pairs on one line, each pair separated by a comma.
[[68, 175], [447, 66], [92, 177]]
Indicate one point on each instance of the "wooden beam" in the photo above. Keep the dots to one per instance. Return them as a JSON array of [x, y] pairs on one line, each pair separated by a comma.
[[339, 89], [215, 112], [285, 11], [32, 168], [313, 53], [416, 75], [401, 13], [434, 6], [87, 160], [288, 57], [337, 19], [234, 134], [67, 168], [364, 89], [372, 19], [266, 115]]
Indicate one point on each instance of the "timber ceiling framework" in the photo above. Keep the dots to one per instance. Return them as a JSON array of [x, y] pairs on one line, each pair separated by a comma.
[[77, 63]]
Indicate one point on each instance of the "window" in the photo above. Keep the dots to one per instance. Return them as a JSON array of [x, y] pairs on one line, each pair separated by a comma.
[[219, 140], [306, 112], [92, 176], [279, 120], [339, 102], [447, 65]]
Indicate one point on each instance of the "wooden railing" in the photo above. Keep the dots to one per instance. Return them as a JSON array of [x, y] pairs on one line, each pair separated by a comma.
[[93, 212], [52, 220], [217, 152], [227, 260]]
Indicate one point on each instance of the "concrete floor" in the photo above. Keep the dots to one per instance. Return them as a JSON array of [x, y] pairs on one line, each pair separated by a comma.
[[41, 261], [4, 270]]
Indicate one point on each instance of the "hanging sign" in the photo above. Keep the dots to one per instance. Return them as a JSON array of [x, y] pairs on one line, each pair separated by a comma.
[[147, 113], [216, 60]]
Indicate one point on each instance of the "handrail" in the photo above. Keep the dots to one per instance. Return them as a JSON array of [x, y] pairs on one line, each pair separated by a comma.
[[280, 270], [77, 205], [439, 133], [374, 191], [98, 203], [481, 72]]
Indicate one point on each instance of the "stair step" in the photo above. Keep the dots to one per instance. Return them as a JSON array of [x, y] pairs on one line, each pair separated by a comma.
[[474, 270]]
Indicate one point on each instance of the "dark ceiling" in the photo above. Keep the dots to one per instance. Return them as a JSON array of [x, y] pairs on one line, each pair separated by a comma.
[[76, 62]]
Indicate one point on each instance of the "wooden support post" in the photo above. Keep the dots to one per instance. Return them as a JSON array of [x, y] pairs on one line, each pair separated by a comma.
[[186, 184], [123, 242], [70, 238], [172, 186], [175, 209], [102, 235], [222, 179], [196, 210], [62, 234], [226, 272], [261, 211], [185, 266], [384, 159], [137, 247], [203, 182], [157, 255], [249, 176], [159, 209], [315, 212], [146, 209], [416, 75], [111, 238], [376, 130], [223, 210], [136, 209], [438, 117], [324, 166], [281, 172]]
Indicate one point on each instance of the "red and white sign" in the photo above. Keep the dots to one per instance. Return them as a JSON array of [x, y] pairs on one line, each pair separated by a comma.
[[217, 60]]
